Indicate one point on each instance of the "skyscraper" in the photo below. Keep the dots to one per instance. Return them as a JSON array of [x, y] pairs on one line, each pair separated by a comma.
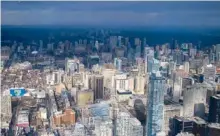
[[155, 104], [194, 100], [98, 87], [153, 65], [214, 109]]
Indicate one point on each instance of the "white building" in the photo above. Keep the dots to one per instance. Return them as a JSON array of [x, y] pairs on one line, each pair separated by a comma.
[[209, 72], [121, 81], [6, 112], [122, 124], [194, 100], [139, 84]]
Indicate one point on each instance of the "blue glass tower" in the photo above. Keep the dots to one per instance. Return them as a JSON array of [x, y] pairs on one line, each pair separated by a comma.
[[153, 65], [155, 103]]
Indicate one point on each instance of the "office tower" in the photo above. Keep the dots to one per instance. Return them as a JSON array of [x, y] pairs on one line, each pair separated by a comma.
[[186, 67], [177, 57], [155, 103], [71, 65], [194, 100], [172, 45], [172, 67], [148, 55], [119, 41], [153, 65], [192, 52], [176, 92], [181, 124], [217, 52], [209, 72], [126, 41], [98, 87], [113, 41], [50, 47], [97, 45], [41, 45], [93, 60], [137, 42], [139, 84], [212, 57], [118, 64], [214, 109]]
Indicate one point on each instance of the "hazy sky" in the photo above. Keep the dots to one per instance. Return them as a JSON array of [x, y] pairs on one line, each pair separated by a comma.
[[112, 13]]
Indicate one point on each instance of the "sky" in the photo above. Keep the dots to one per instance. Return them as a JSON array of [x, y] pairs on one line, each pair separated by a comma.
[[186, 13]]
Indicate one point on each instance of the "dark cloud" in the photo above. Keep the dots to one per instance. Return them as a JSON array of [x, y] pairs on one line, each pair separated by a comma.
[[112, 13]]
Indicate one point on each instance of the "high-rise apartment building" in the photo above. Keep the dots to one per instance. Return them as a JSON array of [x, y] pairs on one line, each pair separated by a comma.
[[155, 104]]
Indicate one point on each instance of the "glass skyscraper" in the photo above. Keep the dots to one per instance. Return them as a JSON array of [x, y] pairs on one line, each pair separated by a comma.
[[153, 65], [155, 103]]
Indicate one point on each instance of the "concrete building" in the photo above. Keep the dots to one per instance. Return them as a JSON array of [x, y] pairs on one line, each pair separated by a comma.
[[194, 100], [209, 72], [66, 118], [121, 81], [139, 84], [181, 124]]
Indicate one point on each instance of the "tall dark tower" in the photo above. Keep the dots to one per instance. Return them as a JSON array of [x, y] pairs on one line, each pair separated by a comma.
[[98, 87], [214, 109]]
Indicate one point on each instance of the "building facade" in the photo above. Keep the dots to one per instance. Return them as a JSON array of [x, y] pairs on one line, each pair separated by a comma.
[[155, 104]]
